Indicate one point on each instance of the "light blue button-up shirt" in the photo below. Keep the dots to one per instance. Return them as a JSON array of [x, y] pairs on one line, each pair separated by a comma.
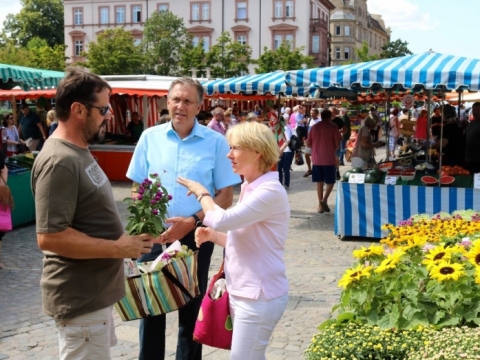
[[201, 156]]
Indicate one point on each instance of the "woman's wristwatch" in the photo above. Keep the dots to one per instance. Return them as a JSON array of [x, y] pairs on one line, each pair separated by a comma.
[[199, 197]]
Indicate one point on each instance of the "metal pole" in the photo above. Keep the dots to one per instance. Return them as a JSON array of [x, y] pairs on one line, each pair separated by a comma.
[[429, 124], [440, 155]]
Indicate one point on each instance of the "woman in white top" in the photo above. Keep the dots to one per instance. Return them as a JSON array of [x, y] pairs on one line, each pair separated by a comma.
[[13, 140], [394, 125], [254, 233]]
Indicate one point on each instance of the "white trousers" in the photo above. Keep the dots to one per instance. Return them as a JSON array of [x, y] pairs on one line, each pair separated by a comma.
[[88, 336], [253, 324]]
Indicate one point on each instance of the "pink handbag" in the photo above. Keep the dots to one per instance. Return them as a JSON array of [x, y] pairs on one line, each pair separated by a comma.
[[214, 324], [6, 206]]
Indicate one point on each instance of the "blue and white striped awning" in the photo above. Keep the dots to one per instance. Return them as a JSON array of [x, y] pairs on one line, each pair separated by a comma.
[[273, 83], [430, 70]]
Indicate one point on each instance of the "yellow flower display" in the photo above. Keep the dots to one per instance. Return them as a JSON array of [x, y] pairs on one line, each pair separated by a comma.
[[447, 271], [352, 275], [390, 262], [474, 253], [372, 250], [436, 255]]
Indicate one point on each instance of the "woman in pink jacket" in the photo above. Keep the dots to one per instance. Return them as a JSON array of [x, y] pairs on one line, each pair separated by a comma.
[[253, 233]]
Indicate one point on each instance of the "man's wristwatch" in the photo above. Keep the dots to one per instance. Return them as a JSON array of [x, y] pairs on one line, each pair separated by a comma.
[[197, 220]]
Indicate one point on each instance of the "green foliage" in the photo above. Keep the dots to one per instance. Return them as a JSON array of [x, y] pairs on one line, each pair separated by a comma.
[[114, 53], [283, 58], [228, 58], [37, 18], [37, 54], [164, 37], [193, 57], [363, 55], [149, 209], [395, 49]]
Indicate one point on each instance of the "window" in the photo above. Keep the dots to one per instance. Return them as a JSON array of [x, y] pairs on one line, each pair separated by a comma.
[[78, 47], [137, 41], [136, 13], [206, 43], [347, 52], [200, 11], [195, 41], [347, 30], [104, 15], [315, 44], [278, 9], [242, 39], [78, 17], [289, 9], [289, 38], [337, 30], [277, 41], [337, 53], [241, 10], [162, 7], [120, 14]]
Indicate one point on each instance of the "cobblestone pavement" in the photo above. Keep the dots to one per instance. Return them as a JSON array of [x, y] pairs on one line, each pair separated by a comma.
[[315, 260]]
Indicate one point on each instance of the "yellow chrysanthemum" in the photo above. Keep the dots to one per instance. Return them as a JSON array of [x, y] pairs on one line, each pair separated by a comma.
[[446, 271], [474, 253], [390, 262], [477, 275], [438, 254], [352, 275], [372, 250]]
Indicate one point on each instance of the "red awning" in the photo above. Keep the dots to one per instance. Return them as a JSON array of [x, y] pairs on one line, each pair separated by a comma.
[[21, 95]]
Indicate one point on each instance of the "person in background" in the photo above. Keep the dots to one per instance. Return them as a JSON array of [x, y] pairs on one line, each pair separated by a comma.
[[251, 117], [79, 228], [202, 156], [314, 119], [337, 120], [14, 143], [3, 181], [365, 147], [217, 122], [31, 128], [257, 110], [346, 134], [394, 128], [292, 122], [324, 140], [421, 126], [376, 130], [286, 116], [254, 234], [472, 141], [301, 124], [436, 122], [135, 127], [233, 119], [272, 115], [52, 121], [283, 134]]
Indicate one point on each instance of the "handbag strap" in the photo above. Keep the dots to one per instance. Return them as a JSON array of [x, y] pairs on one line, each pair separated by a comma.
[[217, 276], [177, 283]]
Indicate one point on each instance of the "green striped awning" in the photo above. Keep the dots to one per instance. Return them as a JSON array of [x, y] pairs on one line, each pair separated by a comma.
[[29, 78]]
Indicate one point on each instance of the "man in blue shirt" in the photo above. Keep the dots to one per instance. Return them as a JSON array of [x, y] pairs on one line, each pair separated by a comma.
[[31, 128], [184, 148]]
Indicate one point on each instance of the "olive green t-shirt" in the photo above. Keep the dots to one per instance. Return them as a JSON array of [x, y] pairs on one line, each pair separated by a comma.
[[71, 190]]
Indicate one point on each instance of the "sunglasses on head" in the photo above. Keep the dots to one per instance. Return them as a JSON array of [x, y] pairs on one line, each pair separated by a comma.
[[103, 109]]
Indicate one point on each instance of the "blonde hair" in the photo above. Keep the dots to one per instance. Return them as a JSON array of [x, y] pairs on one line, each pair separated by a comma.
[[256, 137], [228, 112], [51, 117]]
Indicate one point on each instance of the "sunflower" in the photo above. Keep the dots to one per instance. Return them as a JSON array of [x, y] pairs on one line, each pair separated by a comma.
[[415, 241], [477, 275], [352, 275], [436, 255], [446, 271], [390, 262], [373, 250], [474, 253]]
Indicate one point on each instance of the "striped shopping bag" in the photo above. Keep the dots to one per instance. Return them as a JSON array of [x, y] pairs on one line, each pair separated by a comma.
[[159, 292]]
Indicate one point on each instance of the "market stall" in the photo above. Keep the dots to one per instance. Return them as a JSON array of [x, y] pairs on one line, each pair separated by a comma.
[[363, 208]]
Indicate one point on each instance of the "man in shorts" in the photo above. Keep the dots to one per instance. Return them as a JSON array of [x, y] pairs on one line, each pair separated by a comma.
[[314, 118], [79, 228], [324, 140]]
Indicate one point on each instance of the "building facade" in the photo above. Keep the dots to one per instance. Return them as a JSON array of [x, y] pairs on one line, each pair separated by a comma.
[[258, 23], [350, 25]]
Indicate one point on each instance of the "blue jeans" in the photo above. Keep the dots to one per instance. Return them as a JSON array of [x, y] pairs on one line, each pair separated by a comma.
[[283, 167], [152, 328], [342, 150]]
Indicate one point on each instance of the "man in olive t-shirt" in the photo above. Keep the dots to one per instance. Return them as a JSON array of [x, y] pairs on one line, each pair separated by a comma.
[[78, 225]]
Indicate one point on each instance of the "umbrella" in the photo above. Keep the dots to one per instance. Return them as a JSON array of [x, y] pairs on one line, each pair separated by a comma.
[[28, 78], [429, 70], [270, 83]]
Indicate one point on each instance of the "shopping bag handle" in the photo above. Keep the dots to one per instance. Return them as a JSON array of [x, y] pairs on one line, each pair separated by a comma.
[[177, 283]]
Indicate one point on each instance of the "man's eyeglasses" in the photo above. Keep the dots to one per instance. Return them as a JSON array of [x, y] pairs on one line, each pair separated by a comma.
[[103, 109]]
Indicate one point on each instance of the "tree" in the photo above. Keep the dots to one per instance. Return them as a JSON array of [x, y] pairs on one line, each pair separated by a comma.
[[114, 53], [164, 37], [363, 55], [228, 58], [395, 49], [37, 18], [193, 57], [37, 54], [283, 58]]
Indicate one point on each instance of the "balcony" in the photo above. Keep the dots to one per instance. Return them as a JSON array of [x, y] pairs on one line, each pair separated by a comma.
[[319, 59], [318, 25]]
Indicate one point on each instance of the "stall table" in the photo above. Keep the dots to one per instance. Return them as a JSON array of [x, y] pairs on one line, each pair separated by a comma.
[[24, 210], [113, 159], [362, 209]]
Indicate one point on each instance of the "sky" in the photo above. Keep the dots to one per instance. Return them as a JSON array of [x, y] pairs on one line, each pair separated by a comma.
[[445, 26]]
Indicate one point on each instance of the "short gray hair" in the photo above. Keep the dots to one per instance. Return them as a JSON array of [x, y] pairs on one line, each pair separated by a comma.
[[251, 117], [188, 81], [218, 110]]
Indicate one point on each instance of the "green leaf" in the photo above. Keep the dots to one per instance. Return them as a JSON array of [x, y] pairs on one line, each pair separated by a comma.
[[390, 320], [345, 317]]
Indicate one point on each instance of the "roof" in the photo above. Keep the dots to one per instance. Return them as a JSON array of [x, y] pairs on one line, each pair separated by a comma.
[[376, 25]]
